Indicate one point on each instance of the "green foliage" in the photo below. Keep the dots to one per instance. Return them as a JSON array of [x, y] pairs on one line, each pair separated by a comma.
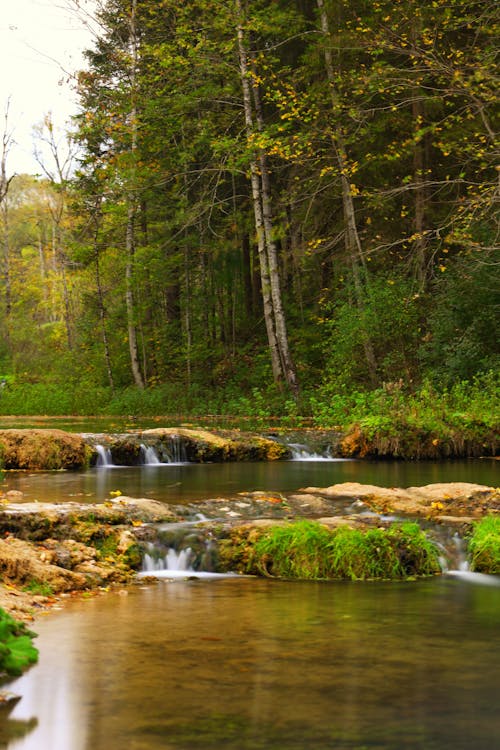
[[389, 320], [17, 652], [40, 588], [163, 133], [308, 550], [484, 546]]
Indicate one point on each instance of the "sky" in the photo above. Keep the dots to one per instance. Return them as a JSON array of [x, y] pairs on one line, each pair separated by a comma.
[[41, 43]]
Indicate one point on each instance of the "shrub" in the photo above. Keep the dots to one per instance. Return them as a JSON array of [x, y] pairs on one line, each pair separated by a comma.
[[484, 546], [17, 652], [308, 550]]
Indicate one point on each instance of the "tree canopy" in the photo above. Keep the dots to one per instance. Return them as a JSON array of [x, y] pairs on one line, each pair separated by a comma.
[[290, 193]]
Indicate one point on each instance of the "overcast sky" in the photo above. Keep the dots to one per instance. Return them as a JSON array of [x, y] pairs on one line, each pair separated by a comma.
[[41, 42]]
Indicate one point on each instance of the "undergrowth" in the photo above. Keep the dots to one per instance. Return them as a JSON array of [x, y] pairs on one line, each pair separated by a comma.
[[16, 648], [309, 550], [484, 546]]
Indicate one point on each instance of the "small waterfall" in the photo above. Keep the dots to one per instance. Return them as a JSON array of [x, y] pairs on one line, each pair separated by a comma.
[[181, 552], [302, 452], [172, 452], [104, 457], [149, 456], [172, 560], [176, 450]]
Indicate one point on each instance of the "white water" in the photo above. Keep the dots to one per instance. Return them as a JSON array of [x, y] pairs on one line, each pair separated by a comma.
[[149, 456], [175, 564], [482, 579], [304, 453], [104, 457]]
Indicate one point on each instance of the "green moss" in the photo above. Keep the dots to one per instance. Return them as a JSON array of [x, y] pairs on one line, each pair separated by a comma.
[[309, 550], [484, 546], [17, 652], [38, 587]]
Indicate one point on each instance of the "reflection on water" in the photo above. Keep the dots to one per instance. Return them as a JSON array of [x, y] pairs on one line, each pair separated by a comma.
[[183, 483], [246, 664]]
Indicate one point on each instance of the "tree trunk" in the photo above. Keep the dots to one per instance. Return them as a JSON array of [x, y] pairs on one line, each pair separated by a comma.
[[272, 255], [278, 373], [102, 314], [131, 212], [129, 298]]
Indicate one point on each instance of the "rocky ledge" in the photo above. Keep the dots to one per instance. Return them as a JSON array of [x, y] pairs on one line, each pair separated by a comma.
[[47, 550], [42, 450]]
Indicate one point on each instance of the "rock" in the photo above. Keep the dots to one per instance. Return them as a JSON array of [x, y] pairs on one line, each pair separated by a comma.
[[454, 499], [21, 563], [42, 450], [202, 446]]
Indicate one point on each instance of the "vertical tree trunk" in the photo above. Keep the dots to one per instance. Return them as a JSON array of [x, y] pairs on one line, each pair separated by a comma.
[[131, 211], [281, 360], [278, 373], [102, 311], [420, 241], [187, 317], [272, 255], [129, 298]]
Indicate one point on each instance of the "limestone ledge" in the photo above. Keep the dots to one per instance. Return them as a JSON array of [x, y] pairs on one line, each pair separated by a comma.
[[64, 547]]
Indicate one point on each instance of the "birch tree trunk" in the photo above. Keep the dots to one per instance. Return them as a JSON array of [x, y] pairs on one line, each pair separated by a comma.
[[282, 364], [267, 301], [132, 210], [272, 255]]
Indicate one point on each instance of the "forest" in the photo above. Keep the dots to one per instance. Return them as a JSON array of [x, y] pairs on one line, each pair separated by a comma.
[[284, 207]]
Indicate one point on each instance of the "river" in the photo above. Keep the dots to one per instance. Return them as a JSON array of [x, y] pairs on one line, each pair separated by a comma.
[[178, 483], [246, 664]]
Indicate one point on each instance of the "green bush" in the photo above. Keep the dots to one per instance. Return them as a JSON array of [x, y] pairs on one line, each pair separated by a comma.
[[484, 546], [308, 550], [17, 652]]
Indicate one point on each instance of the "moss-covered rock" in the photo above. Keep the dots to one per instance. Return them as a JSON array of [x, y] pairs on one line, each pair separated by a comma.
[[42, 450], [201, 446], [484, 545], [404, 440], [310, 550]]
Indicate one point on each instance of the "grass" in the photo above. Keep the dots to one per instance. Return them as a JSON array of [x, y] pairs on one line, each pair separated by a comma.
[[38, 588], [309, 550], [484, 546], [17, 652]]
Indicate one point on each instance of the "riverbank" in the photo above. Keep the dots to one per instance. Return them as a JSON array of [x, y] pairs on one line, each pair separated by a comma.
[[50, 552]]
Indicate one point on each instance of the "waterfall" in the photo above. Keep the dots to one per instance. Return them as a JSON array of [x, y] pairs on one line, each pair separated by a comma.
[[171, 560], [177, 450], [302, 452], [174, 452], [180, 560], [104, 457], [149, 456]]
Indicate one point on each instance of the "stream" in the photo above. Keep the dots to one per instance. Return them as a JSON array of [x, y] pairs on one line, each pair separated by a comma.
[[180, 483], [238, 663], [254, 664]]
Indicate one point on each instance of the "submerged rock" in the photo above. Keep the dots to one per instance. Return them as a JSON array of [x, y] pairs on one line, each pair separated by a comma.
[[454, 499]]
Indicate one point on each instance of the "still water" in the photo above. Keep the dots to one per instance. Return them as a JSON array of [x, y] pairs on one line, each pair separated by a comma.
[[246, 664], [180, 483]]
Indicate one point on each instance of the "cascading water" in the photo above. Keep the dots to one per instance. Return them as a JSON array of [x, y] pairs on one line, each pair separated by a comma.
[[170, 560], [177, 450], [301, 452], [149, 456], [171, 452], [104, 457], [454, 562], [171, 556]]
